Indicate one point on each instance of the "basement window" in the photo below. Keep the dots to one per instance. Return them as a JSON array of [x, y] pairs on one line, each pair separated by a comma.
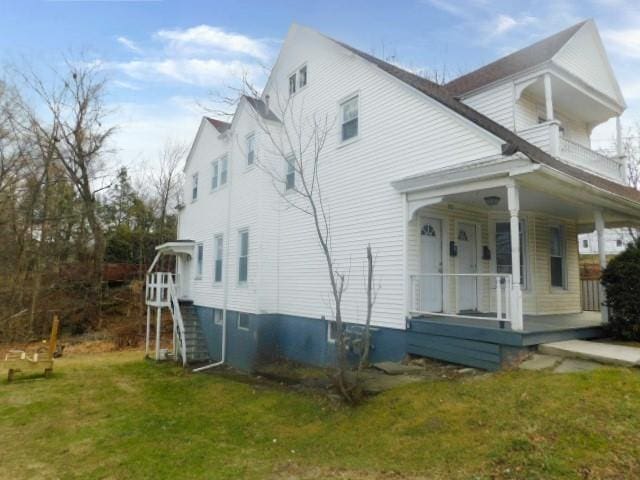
[[217, 316], [243, 321], [332, 332]]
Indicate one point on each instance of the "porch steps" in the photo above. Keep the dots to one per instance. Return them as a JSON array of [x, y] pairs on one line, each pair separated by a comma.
[[606, 353], [197, 350]]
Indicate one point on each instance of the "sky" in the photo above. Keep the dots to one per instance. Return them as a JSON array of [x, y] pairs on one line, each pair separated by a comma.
[[167, 61]]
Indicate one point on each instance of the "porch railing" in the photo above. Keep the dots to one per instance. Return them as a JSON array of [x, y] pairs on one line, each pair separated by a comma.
[[161, 291], [499, 286]]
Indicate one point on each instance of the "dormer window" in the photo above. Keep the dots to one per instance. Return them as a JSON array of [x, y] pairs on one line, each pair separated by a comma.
[[302, 77], [292, 84]]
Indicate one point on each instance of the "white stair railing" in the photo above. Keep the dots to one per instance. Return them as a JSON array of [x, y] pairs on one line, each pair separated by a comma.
[[176, 313]]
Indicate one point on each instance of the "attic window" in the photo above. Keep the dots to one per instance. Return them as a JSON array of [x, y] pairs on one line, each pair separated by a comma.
[[292, 84], [349, 110]]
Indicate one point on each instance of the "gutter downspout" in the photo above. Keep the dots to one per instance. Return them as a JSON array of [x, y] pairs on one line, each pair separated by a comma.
[[225, 273]]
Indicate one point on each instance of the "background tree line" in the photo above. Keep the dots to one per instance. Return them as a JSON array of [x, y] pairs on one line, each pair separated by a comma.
[[62, 216]]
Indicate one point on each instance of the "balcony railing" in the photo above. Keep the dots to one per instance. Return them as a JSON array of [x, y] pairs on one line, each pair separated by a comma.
[[547, 137], [582, 156]]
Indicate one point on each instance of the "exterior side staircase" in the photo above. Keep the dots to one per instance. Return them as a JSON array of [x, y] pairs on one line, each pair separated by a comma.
[[194, 338]]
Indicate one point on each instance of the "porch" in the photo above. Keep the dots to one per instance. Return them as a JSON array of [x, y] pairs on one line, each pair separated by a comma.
[[485, 344]]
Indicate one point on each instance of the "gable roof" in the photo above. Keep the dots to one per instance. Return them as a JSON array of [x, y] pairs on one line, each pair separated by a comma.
[[528, 57], [219, 124], [513, 143]]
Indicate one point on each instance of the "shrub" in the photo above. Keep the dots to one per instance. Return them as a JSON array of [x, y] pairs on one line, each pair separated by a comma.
[[621, 280]]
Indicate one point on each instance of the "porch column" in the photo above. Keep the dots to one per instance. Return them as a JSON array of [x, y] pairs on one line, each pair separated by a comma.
[[158, 325], [548, 99], [602, 254], [513, 199], [146, 345]]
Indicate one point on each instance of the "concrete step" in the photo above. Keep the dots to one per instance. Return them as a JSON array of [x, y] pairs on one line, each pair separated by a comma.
[[607, 353]]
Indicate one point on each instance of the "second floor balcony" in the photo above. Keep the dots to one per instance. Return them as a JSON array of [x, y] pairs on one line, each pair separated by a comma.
[[548, 137]]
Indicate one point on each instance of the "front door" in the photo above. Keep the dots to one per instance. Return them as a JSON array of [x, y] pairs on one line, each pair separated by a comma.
[[467, 263], [431, 263]]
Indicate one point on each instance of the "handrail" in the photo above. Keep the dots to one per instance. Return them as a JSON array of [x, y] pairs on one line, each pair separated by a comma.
[[503, 281], [177, 318], [584, 157]]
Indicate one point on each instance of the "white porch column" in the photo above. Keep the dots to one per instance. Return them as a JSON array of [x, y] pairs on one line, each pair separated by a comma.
[[602, 254], [548, 99], [513, 199], [158, 325], [146, 347]]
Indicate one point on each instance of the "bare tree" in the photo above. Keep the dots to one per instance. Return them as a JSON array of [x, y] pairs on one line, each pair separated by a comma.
[[74, 127], [166, 180], [297, 138]]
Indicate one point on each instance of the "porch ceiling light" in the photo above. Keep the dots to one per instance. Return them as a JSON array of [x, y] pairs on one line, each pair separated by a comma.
[[492, 200]]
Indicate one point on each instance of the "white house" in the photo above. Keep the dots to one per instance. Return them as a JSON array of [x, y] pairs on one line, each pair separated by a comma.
[[616, 240], [471, 194]]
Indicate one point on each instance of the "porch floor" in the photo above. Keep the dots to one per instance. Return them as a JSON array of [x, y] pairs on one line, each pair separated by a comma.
[[486, 344]]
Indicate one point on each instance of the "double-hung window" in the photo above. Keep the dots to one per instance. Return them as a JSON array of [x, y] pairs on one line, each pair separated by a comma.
[[503, 250], [349, 118], [194, 187], [292, 84], [217, 268], [243, 256], [251, 149], [215, 175], [219, 172], [557, 257], [302, 77], [290, 172], [224, 167], [199, 259]]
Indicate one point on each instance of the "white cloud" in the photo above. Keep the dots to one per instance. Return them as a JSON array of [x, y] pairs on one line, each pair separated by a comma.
[[623, 42], [206, 36], [129, 44], [194, 71]]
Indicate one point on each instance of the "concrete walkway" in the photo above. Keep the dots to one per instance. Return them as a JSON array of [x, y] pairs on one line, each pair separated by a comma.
[[607, 353]]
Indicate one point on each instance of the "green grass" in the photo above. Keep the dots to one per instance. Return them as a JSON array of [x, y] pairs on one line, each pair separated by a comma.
[[116, 416]]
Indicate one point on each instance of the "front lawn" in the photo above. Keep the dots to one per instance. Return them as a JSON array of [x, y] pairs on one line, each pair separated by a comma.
[[119, 417]]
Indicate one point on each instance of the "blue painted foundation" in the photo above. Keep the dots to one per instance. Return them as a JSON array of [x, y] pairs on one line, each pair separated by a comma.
[[270, 337]]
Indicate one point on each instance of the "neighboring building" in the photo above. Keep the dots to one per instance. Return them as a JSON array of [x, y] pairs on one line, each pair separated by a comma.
[[616, 240], [471, 195]]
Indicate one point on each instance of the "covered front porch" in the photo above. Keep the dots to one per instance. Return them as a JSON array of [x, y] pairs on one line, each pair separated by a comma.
[[492, 253]]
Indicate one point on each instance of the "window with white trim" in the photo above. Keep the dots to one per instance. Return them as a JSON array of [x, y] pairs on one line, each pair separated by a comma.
[[503, 250], [349, 118], [217, 267], [243, 256], [194, 187], [292, 84], [251, 149], [219, 172], [217, 316], [557, 255], [199, 259], [290, 173], [243, 321], [224, 168], [585, 243], [302, 76]]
